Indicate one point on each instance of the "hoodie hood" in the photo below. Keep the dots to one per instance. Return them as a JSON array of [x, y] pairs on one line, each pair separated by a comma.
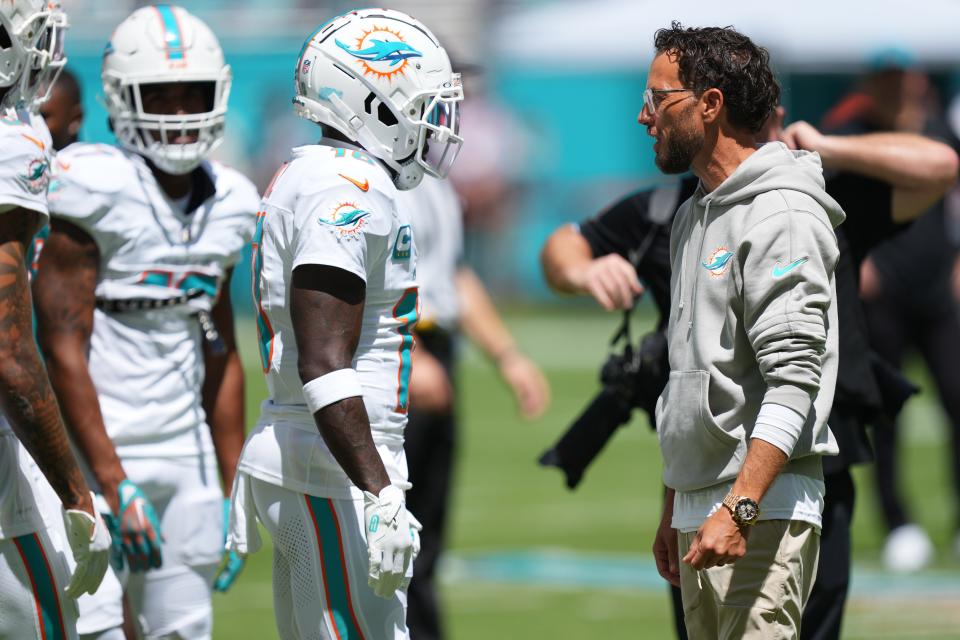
[[774, 166]]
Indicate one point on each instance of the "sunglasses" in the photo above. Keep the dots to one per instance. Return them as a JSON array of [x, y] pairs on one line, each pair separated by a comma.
[[653, 98]]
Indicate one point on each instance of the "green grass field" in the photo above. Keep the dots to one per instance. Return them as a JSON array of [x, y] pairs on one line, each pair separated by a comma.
[[529, 559]]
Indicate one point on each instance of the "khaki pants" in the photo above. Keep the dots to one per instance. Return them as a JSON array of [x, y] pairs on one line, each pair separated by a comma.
[[760, 596]]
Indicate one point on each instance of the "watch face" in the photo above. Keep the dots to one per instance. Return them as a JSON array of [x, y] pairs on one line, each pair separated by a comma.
[[746, 510]]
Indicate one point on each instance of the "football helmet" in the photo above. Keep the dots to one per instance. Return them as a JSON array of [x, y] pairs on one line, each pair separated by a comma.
[[158, 45], [25, 27], [382, 79]]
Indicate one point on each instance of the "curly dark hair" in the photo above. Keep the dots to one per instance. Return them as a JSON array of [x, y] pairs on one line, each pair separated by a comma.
[[725, 59]]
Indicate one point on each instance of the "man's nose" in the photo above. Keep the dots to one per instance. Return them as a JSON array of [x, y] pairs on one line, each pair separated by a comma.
[[645, 117]]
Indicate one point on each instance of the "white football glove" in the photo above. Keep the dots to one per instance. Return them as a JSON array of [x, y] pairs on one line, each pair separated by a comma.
[[90, 542], [393, 540]]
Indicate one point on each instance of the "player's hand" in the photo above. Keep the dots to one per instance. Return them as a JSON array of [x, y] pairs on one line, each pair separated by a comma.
[[430, 388], [527, 382], [803, 135], [719, 541], [90, 543], [139, 528], [611, 280], [232, 563], [666, 552], [393, 540]]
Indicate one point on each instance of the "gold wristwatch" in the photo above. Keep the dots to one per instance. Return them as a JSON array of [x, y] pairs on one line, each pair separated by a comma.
[[745, 512]]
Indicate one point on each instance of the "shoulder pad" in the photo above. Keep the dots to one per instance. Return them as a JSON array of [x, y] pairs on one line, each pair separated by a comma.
[[24, 167], [21, 141], [98, 168]]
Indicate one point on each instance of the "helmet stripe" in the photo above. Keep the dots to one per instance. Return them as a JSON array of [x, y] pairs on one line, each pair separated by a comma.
[[172, 39]]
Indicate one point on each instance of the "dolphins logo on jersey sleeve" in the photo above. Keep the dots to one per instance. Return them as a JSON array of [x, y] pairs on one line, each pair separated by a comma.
[[347, 218], [36, 178]]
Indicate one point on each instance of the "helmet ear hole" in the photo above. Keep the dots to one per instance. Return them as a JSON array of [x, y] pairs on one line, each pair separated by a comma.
[[5, 41], [385, 115]]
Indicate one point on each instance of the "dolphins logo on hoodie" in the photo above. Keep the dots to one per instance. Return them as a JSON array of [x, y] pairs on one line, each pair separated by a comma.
[[718, 262]]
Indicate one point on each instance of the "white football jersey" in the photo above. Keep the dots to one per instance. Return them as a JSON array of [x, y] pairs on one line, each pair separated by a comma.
[[332, 206], [24, 176], [436, 213], [147, 364]]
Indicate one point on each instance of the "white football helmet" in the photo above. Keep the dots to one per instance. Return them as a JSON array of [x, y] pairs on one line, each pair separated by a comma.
[[23, 27], [382, 79], [157, 45]]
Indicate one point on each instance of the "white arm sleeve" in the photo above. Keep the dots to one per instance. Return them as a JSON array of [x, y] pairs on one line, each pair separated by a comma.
[[778, 425]]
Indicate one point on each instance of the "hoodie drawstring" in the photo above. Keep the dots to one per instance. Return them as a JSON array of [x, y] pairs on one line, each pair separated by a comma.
[[696, 272]]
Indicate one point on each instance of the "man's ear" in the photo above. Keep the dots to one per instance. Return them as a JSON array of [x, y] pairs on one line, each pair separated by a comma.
[[711, 103]]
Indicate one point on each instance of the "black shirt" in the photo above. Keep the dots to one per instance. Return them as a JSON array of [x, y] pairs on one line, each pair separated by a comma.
[[631, 224]]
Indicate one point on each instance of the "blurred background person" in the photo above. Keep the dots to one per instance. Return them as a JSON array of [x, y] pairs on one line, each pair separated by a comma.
[[63, 110], [454, 302], [906, 287]]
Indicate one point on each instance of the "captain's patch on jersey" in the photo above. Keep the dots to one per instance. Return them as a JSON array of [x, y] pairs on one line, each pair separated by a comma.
[[403, 243], [36, 178], [347, 218]]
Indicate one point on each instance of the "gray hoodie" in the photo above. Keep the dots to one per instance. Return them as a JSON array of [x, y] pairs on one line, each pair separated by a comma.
[[753, 317]]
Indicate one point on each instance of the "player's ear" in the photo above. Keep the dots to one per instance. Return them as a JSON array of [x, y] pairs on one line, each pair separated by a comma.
[[711, 105]]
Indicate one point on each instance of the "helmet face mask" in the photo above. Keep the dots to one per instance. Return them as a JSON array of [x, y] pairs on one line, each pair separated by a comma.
[[382, 79], [44, 66], [439, 141], [31, 39], [165, 45]]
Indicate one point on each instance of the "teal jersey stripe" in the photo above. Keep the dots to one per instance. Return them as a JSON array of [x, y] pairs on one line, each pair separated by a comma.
[[156, 278], [171, 36], [264, 330], [202, 281], [334, 570], [44, 586], [407, 311]]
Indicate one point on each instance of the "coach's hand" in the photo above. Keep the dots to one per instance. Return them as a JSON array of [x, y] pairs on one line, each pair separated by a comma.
[[393, 540], [665, 550], [611, 280], [139, 528], [719, 541], [90, 544]]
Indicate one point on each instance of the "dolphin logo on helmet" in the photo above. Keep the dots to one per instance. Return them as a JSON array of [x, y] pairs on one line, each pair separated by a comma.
[[383, 51]]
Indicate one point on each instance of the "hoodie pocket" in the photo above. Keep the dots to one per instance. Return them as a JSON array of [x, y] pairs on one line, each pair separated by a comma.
[[697, 452]]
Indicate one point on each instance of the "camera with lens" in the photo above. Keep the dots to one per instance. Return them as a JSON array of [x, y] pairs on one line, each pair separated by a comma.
[[631, 379]]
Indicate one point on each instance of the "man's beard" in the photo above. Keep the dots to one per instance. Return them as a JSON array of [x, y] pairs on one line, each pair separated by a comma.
[[678, 150]]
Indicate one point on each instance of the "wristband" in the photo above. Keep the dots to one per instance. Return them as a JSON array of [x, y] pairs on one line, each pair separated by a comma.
[[331, 387]]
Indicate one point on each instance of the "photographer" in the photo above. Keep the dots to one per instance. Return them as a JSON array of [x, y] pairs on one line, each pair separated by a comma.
[[882, 181]]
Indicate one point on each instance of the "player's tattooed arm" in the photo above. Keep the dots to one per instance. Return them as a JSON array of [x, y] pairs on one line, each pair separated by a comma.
[[64, 293], [223, 399], [326, 306], [25, 393]]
